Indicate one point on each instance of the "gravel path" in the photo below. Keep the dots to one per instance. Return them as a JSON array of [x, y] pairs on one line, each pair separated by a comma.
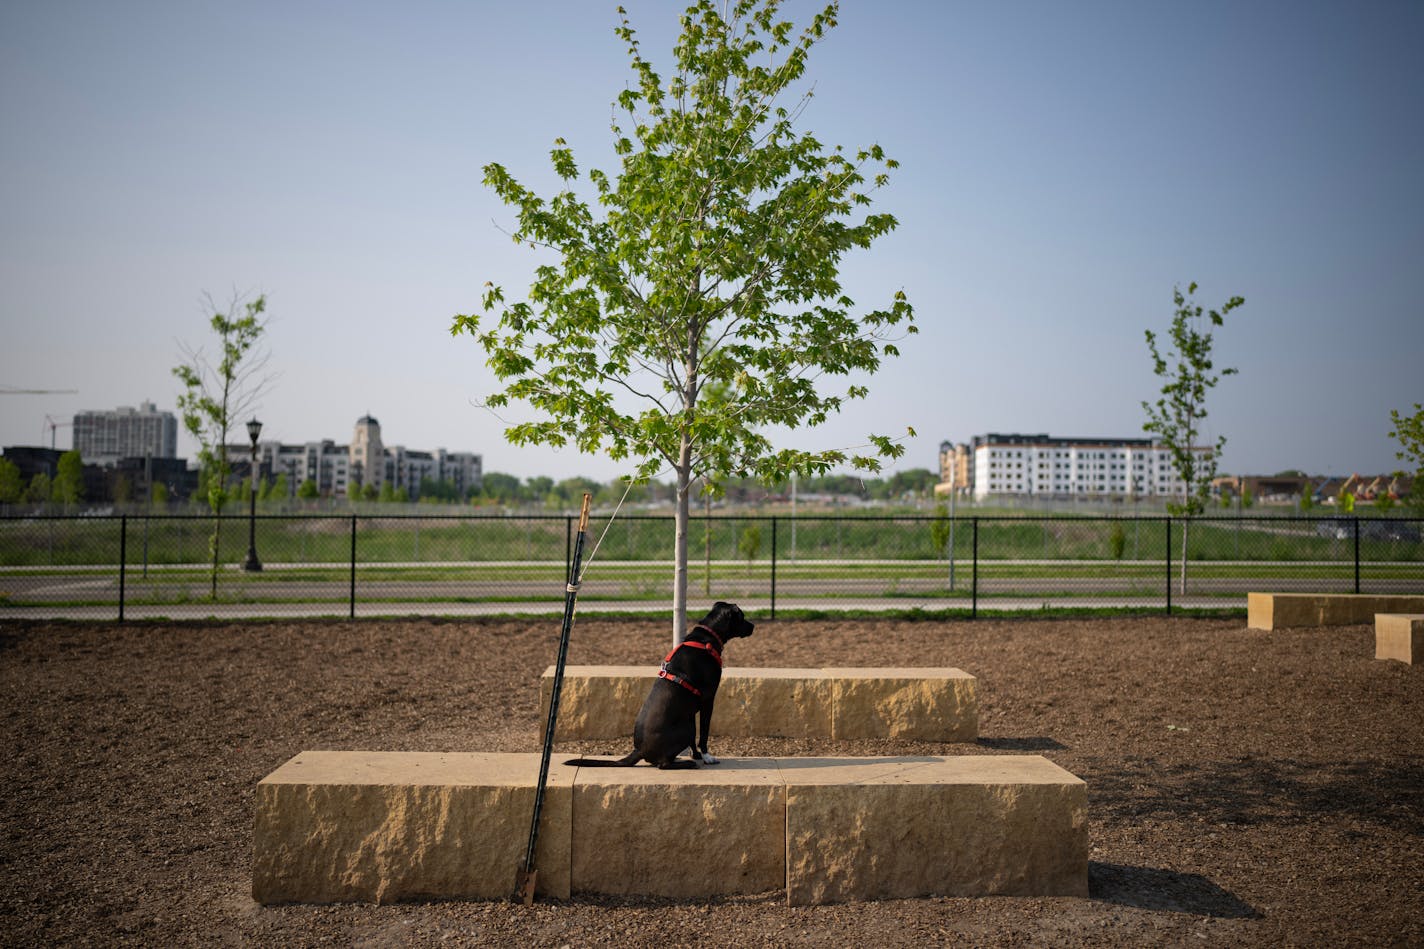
[[1244, 787]]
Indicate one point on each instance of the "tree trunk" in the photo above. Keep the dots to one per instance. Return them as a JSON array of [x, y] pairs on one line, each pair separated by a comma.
[[217, 545], [679, 550]]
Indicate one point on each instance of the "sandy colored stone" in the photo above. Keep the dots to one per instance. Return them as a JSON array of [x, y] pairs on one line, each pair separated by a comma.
[[759, 703], [1283, 610], [340, 826], [596, 701], [1399, 636], [692, 834], [603, 702], [864, 829], [934, 704], [905, 703]]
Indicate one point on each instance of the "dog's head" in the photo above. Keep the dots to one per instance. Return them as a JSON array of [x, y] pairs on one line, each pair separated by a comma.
[[727, 621]]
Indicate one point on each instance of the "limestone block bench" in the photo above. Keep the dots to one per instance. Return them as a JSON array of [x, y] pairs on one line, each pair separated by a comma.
[[1399, 636], [938, 704], [385, 826], [1280, 610]]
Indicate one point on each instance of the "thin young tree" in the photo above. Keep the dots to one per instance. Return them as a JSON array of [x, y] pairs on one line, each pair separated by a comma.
[[695, 305], [216, 396], [1185, 367]]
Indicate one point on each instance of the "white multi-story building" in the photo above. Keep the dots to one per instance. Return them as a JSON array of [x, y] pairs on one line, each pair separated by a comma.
[[325, 463], [1039, 465], [105, 437], [366, 460]]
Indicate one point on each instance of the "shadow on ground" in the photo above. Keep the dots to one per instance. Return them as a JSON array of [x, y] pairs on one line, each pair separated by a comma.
[[1253, 791], [1022, 744], [1165, 891]]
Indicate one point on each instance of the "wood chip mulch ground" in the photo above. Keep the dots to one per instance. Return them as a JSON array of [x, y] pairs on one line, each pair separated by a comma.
[[1245, 788]]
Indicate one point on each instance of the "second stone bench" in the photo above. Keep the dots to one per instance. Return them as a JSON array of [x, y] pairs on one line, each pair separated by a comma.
[[930, 704]]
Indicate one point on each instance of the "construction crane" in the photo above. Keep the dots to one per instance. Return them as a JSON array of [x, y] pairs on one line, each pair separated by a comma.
[[53, 423]]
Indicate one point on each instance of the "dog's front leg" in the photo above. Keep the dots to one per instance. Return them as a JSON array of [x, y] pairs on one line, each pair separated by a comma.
[[704, 717]]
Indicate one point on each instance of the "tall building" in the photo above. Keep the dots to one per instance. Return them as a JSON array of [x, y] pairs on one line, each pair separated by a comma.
[[368, 456], [102, 438], [1039, 465]]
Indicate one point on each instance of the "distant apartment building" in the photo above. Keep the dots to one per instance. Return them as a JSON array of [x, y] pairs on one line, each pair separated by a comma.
[[105, 437], [366, 460], [1004, 465]]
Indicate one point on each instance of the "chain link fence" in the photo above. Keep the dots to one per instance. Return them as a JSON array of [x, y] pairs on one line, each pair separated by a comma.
[[137, 566]]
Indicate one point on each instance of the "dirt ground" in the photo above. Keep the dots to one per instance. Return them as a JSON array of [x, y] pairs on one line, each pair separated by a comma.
[[1244, 787]]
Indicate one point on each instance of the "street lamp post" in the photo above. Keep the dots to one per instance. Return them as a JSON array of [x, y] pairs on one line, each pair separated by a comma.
[[254, 428]]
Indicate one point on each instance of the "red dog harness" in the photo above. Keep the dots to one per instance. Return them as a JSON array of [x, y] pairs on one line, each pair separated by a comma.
[[713, 651]]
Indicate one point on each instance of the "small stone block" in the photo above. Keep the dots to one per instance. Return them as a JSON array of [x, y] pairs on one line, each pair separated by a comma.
[[596, 701], [1399, 636], [343, 826], [877, 828], [1282, 610], [911, 704], [712, 831]]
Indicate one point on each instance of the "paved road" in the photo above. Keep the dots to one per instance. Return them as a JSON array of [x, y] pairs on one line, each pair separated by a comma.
[[756, 607], [38, 589]]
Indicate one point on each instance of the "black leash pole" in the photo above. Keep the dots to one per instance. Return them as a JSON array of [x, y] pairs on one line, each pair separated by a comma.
[[527, 876]]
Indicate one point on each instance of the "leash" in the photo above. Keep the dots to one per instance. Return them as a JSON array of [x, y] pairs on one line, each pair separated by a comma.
[[526, 877], [611, 518]]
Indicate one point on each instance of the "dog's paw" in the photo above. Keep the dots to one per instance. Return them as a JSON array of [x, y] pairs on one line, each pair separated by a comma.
[[709, 759]]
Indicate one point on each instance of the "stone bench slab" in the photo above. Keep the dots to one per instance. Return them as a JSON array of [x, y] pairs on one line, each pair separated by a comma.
[[935, 704], [385, 826], [714, 831], [869, 829], [380, 827], [1282, 610], [1399, 636]]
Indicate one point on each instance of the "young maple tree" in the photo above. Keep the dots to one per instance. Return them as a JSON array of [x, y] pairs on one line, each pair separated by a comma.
[[698, 302], [215, 396], [1176, 418]]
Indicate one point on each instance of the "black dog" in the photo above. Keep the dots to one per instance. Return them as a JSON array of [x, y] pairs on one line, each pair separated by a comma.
[[686, 687]]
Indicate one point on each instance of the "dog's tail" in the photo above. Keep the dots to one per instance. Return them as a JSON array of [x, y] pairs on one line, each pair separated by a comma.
[[627, 762]]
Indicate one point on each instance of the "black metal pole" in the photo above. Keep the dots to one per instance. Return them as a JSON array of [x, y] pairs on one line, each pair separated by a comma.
[[974, 575], [252, 564], [1357, 553], [123, 559], [1169, 565], [525, 879], [773, 568], [353, 566]]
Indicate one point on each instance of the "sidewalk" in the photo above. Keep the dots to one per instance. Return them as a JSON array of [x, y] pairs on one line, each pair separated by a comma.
[[757, 609]]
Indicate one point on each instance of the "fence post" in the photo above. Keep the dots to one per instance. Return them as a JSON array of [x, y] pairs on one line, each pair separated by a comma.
[[974, 579], [773, 567], [1169, 565], [353, 566], [1357, 553], [123, 559]]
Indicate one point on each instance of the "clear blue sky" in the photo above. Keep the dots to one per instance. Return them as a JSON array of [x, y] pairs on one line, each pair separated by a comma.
[[1063, 165]]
